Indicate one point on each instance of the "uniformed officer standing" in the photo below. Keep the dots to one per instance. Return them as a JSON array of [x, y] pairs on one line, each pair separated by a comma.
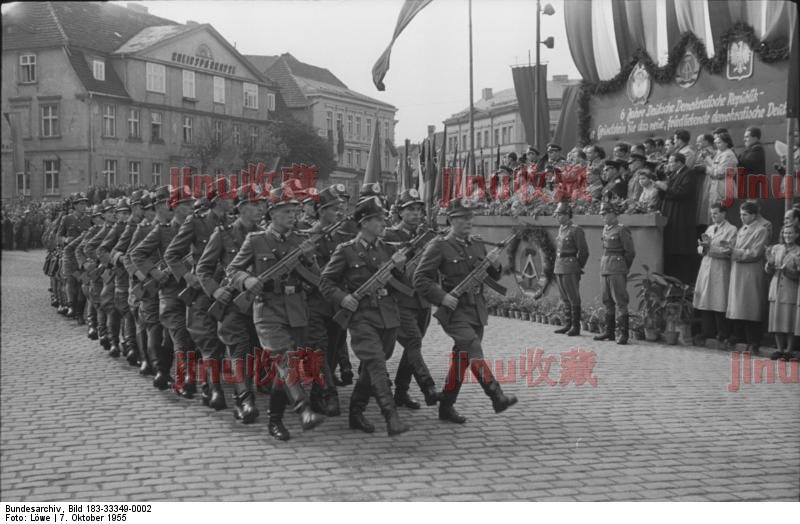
[[615, 263], [280, 311], [415, 312], [236, 329], [71, 227], [572, 252], [192, 238], [373, 327], [453, 257]]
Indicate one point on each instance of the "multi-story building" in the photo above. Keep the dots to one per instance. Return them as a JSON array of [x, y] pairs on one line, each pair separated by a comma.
[[101, 94], [498, 122], [317, 97]]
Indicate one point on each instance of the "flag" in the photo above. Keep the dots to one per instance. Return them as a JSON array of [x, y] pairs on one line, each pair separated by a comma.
[[407, 13], [430, 176], [792, 97], [525, 87], [373, 173], [15, 126], [438, 190], [402, 181]]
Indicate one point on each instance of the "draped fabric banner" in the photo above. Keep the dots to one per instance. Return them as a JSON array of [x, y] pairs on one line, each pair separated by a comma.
[[525, 87], [407, 13], [566, 132], [578, 19], [604, 42], [635, 26], [692, 15], [793, 93], [625, 46], [720, 21]]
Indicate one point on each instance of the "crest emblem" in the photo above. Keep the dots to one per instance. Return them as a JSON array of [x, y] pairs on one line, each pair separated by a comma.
[[339, 188], [688, 70], [639, 84], [413, 193], [376, 187], [740, 60]]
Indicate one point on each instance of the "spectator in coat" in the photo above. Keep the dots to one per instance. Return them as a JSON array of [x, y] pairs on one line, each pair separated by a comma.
[[704, 161], [683, 145], [752, 160], [678, 208], [723, 170], [783, 263], [713, 279]]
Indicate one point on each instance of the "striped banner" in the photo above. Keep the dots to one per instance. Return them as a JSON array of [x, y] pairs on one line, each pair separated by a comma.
[[407, 13]]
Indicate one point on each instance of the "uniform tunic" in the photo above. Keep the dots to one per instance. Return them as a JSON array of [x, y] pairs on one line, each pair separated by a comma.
[[572, 252], [713, 279], [615, 263]]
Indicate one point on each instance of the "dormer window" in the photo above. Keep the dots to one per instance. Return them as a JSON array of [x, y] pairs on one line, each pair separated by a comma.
[[99, 70]]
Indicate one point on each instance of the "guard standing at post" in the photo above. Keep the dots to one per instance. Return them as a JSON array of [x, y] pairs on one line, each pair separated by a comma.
[[415, 312], [374, 323], [453, 257], [615, 263], [572, 252]]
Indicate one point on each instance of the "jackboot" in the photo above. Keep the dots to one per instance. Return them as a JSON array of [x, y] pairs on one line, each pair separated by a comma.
[[383, 397], [105, 342], [455, 378], [162, 380], [500, 402], [358, 403], [332, 408], [430, 393], [245, 407], [91, 334], [610, 329], [115, 350], [567, 322], [401, 399], [308, 419], [623, 330], [216, 399], [575, 330], [317, 398], [277, 407]]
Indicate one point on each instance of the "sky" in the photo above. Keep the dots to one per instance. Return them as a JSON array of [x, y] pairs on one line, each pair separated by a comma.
[[428, 79]]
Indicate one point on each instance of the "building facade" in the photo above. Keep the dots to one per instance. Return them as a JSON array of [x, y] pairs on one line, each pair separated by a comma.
[[345, 118], [101, 94]]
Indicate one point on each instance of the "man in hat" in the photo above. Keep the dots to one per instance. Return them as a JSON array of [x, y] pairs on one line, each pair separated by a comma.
[[373, 327], [93, 270], [572, 252], [280, 310], [191, 239], [615, 263], [308, 216], [72, 226], [614, 186], [147, 259], [324, 334], [415, 312], [449, 260]]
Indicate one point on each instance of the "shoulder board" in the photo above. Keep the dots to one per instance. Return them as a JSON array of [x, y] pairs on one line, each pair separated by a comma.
[[350, 242]]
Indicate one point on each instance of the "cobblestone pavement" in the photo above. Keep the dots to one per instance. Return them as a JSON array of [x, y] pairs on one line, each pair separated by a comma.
[[659, 424]]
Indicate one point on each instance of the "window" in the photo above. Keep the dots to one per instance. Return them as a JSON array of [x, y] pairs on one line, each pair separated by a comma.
[[349, 124], [134, 130], [27, 68], [329, 121], [236, 134], [110, 172], [338, 120], [187, 130], [358, 158], [155, 126], [217, 131], [99, 70], [219, 90], [463, 142], [369, 128], [385, 159], [253, 138], [497, 137], [156, 78], [156, 172], [505, 136], [271, 101], [135, 173], [386, 129], [24, 180], [358, 126], [109, 120], [486, 138], [50, 120], [510, 134], [188, 84], [250, 95], [349, 158], [478, 139]]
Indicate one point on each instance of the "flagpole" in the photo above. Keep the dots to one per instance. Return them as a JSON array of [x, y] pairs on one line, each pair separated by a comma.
[[471, 98], [536, 143]]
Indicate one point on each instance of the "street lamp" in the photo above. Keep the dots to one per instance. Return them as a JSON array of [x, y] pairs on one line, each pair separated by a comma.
[[548, 42]]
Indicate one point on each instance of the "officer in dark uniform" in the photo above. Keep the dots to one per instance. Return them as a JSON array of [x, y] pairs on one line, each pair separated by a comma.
[[615, 263], [280, 311], [146, 258], [453, 257], [324, 334], [615, 185], [236, 329], [572, 252], [192, 238], [71, 227], [415, 312], [373, 327]]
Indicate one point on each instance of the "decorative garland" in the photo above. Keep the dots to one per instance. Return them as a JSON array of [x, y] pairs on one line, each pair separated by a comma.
[[539, 236], [773, 51]]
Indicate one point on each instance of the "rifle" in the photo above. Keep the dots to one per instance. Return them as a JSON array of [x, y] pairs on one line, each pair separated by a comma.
[[149, 285], [475, 278], [283, 267], [189, 293], [382, 277], [217, 308]]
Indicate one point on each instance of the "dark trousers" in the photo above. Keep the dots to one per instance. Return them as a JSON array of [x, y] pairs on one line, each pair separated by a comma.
[[715, 325], [373, 346], [748, 330], [413, 325]]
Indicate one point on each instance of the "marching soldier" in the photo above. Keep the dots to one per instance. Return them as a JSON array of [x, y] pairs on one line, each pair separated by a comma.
[[235, 329], [86, 253], [615, 263], [572, 252], [373, 327], [453, 257], [74, 250], [70, 228], [191, 239], [415, 312], [147, 258], [307, 218], [280, 310]]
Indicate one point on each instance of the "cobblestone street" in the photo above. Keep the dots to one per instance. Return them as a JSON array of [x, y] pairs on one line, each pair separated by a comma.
[[659, 424]]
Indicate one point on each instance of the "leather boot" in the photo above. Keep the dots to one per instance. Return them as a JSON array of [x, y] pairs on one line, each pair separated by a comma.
[[346, 377], [455, 377], [245, 407], [383, 397], [115, 350], [72, 313], [500, 401], [575, 330], [217, 399], [145, 368], [401, 399], [567, 322], [62, 310], [92, 333], [277, 407], [430, 393], [162, 380], [394, 426], [623, 330], [332, 408], [105, 342], [132, 356], [358, 402], [317, 398], [309, 419], [610, 329]]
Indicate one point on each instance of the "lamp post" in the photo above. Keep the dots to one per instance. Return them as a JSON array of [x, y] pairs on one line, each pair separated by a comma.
[[548, 42]]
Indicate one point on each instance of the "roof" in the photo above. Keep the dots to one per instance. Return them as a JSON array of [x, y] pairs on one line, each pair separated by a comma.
[[313, 87], [310, 72], [150, 36], [112, 85], [262, 63], [98, 26]]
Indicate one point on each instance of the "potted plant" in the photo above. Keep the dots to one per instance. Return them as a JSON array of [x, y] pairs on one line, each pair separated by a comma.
[[585, 313], [679, 309], [651, 291], [636, 327]]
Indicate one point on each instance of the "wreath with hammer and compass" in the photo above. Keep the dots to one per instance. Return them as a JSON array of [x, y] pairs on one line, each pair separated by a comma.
[[532, 257]]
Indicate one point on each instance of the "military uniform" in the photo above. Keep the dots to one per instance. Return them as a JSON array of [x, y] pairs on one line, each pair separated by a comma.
[[93, 283], [114, 314], [615, 263], [70, 228], [572, 252], [453, 258]]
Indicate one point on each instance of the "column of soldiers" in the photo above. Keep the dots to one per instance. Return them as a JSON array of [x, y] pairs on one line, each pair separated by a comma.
[[244, 289]]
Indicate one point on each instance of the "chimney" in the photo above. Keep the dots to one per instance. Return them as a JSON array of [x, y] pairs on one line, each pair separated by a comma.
[[486, 93], [431, 131], [139, 8]]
